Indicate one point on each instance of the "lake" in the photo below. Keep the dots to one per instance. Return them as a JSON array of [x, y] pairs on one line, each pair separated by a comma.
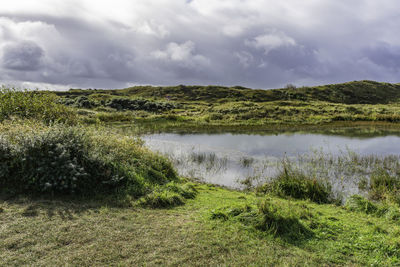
[[235, 160]]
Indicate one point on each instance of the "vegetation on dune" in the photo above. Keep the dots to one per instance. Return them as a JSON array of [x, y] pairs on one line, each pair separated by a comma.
[[37, 105], [357, 92], [118, 103], [76, 160], [207, 106], [39, 156]]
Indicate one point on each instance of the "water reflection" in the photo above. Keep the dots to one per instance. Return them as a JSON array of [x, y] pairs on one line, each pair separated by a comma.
[[281, 144], [235, 159]]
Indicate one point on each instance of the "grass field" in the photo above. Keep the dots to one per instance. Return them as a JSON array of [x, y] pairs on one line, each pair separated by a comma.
[[43, 232]]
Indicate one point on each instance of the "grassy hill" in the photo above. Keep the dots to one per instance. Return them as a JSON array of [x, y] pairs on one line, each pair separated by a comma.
[[174, 107], [357, 92]]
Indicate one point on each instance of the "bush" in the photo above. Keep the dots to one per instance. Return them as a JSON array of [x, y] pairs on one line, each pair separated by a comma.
[[75, 160], [79, 102], [139, 104], [32, 105]]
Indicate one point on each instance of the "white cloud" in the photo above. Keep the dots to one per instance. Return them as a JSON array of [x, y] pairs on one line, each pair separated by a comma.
[[245, 58], [153, 28], [181, 53], [270, 41]]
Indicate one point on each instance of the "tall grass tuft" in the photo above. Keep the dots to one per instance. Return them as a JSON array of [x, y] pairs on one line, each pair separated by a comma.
[[383, 185], [293, 183], [359, 203], [274, 221], [279, 221]]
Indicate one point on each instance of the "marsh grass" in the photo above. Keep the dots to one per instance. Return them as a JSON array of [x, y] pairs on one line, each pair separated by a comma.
[[383, 186], [361, 204], [341, 174], [383, 209], [293, 183], [246, 162], [210, 161]]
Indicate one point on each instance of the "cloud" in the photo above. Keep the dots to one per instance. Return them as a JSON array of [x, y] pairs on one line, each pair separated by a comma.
[[22, 56], [386, 55], [271, 41], [182, 53], [151, 27], [245, 58], [254, 43]]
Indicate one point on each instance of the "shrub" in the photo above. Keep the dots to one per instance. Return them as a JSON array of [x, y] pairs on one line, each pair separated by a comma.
[[75, 160], [84, 102], [138, 104], [32, 105]]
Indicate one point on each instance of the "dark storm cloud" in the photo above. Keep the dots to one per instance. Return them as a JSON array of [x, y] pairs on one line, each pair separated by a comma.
[[255, 43], [385, 55], [23, 56]]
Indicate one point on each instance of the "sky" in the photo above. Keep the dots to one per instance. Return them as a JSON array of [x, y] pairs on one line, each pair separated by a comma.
[[62, 44]]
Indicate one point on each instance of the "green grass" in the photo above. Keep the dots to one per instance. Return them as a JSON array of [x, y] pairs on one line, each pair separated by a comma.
[[87, 232]]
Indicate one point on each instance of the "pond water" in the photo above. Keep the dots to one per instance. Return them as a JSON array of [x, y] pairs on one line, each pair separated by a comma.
[[281, 144], [236, 160]]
